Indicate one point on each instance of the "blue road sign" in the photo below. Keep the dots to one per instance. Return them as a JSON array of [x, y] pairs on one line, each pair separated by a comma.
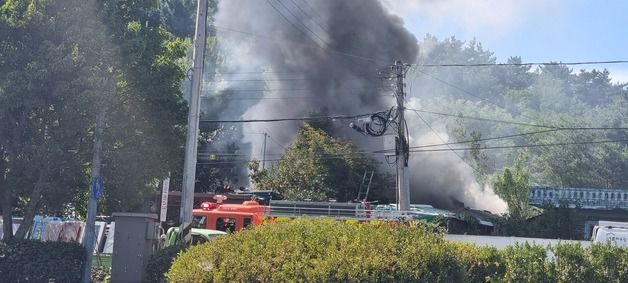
[[97, 187]]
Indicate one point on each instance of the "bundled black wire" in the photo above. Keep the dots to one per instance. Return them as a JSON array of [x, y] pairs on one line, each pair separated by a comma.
[[380, 122]]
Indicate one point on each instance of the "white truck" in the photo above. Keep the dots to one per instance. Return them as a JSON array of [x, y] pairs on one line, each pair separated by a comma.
[[609, 234]]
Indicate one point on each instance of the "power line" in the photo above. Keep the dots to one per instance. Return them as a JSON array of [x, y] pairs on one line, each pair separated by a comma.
[[252, 72], [450, 143], [470, 93], [337, 117], [440, 65], [263, 80], [264, 98], [267, 97], [341, 156], [525, 64], [525, 146], [324, 47], [414, 65], [442, 140], [301, 22], [518, 123], [461, 89], [305, 33], [461, 116], [347, 117], [519, 135], [277, 143], [294, 89], [232, 96], [488, 139], [317, 15], [285, 79]]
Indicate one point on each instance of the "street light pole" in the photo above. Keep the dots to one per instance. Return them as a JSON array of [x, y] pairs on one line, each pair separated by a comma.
[[189, 169]]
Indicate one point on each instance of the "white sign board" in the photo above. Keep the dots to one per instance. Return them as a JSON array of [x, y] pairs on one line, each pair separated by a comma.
[[164, 200], [99, 233], [108, 249]]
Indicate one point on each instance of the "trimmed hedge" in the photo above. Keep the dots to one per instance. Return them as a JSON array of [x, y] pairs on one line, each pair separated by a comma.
[[36, 261], [316, 250]]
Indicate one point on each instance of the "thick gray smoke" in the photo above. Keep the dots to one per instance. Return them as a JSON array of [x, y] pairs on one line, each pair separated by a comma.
[[321, 57], [293, 58]]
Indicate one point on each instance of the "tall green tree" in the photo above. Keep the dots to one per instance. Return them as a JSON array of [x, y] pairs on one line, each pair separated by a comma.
[[40, 91], [66, 61], [512, 186], [319, 167], [147, 140]]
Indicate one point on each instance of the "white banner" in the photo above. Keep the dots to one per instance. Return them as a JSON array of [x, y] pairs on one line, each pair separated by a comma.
[[164, 200]]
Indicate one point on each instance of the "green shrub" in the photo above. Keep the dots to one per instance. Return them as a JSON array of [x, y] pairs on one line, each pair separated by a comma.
[[323, 251], [572, 264], [36, 261], [100, 273], [527, 263], [610, 263], [482, 264], [318, 250], [160, 262]]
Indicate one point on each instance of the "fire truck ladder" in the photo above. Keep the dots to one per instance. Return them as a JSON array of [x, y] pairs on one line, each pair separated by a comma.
[[364, 195]]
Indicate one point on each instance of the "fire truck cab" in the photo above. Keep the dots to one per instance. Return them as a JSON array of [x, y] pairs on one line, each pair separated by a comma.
[[228, 217]]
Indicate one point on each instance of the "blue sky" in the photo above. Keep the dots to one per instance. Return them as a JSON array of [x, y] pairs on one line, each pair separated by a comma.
[[536, 30]]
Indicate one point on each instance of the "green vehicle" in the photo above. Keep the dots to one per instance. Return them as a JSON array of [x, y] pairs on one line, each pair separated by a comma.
[[198, 235]]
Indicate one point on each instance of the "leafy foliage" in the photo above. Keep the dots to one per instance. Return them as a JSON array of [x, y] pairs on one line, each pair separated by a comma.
[[36, 261], [317, 250], [321, 251], [66, 61], [553, 95], [319, 167], [512, 186], [145, 138], [101, 273], [571, 264], [43, 106], [525, 263]]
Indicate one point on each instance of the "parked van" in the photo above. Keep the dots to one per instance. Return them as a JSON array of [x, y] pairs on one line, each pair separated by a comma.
[[613, 235]]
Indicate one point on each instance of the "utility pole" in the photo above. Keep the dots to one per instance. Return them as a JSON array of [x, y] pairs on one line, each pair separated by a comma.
[[189, 168], [96, 190], [402, 154], [264, 151]]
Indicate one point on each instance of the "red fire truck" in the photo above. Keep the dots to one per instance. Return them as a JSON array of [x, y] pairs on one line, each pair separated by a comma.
[[228, 217], [234, 217]]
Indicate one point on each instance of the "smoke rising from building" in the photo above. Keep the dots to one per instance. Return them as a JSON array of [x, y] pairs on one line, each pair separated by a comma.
[[297, 58], [442, 178]]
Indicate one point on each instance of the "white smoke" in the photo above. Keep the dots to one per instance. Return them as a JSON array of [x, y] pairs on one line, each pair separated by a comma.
[[442, 177]]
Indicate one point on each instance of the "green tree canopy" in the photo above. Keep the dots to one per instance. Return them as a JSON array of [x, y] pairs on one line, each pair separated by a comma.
[[319, 167], [62, 62], [512, 186], [553, 95]]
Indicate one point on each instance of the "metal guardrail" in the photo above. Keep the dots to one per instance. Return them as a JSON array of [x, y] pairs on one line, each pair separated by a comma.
[[582, 203], [343, 213], [587, 198]]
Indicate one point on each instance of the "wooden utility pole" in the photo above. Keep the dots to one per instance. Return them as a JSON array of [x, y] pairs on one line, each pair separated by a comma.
[[403, 186]]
